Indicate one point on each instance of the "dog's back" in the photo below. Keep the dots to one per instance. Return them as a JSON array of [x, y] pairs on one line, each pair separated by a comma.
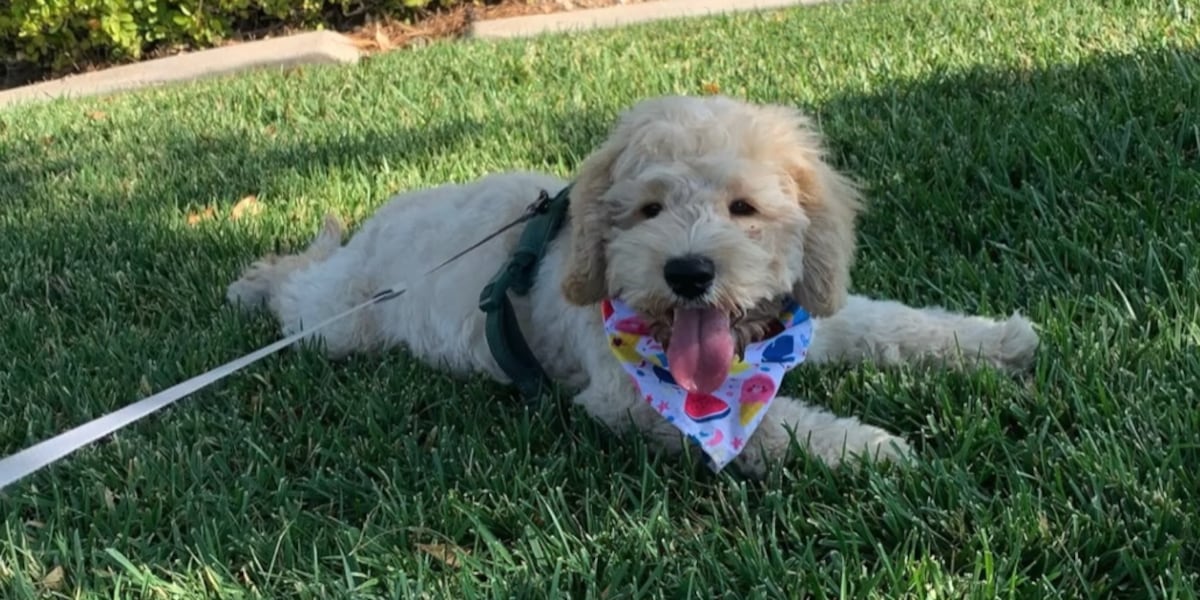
[[438, 318]]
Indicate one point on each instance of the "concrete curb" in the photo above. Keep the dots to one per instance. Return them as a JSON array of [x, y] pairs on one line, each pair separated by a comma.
[[324, 47], [616, 16], [318, 47]]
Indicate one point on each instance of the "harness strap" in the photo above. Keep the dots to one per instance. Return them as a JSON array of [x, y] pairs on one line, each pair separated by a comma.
[[504, 337]]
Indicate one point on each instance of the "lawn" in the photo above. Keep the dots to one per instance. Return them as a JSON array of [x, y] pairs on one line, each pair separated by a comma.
[[1041, 156]]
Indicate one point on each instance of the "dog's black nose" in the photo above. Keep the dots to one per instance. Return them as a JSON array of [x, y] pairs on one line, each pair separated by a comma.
[[690, 276]]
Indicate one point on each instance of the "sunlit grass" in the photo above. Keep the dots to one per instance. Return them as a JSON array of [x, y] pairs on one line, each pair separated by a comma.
[[1036, 156]]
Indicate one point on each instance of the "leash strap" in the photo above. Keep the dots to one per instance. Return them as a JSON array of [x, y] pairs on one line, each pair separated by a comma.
[[41, 455], [17, 466], [503, 330]]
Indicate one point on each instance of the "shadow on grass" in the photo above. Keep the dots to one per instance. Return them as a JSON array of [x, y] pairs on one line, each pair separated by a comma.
[[190, 166], [990, 190], [1006, 166]]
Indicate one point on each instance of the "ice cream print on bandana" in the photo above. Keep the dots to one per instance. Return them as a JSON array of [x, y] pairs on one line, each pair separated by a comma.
[[714, 397]]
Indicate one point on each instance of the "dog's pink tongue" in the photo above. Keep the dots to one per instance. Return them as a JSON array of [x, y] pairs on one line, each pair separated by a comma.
[[701, 349]]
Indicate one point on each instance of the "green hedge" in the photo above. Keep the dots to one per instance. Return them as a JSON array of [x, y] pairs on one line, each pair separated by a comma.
[[56, 34]]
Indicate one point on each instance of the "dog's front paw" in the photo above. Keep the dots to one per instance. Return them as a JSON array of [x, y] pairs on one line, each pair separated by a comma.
[[864, 441], [1017, 344], [831, 440], [885, 447]]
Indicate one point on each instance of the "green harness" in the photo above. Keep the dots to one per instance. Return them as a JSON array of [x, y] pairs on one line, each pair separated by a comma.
[[504, 337]]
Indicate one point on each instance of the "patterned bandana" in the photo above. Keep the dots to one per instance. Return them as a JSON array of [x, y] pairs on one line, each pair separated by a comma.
[[719, 423]]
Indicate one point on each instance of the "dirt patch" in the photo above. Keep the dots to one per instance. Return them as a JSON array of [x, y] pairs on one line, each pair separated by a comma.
[[372, 36], [383, 35]]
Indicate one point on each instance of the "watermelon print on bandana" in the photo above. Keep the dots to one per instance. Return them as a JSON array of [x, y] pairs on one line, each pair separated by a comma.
[[720, 423]]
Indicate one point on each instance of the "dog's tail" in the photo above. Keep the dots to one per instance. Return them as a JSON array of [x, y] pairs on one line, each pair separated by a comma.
[[261, 280]]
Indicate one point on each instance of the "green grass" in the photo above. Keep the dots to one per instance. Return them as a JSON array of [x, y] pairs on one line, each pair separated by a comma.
[[1033, 155]]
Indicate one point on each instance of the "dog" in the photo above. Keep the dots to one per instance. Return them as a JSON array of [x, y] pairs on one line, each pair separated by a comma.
[[700, 213]]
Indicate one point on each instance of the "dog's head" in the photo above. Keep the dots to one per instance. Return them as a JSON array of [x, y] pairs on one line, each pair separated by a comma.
[[703, 213]]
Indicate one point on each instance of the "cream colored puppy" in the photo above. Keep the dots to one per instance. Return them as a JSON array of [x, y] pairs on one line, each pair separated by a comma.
[[701, 213]]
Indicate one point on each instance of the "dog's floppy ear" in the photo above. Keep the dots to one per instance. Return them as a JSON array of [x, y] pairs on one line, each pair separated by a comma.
[[585, 280], [832, 203]]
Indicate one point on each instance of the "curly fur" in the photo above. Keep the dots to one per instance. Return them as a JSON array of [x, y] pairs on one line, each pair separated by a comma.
[[693, 157]]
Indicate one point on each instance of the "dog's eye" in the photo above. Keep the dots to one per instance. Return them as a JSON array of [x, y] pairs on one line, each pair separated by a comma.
[[742, 208], [651, 210]]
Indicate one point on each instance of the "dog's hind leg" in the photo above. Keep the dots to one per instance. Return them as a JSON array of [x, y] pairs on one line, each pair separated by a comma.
[[260, 282], [304, 289], [890, 333]]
